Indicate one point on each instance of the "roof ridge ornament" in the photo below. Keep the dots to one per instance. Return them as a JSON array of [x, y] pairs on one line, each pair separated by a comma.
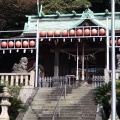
[[88, 13], [74, 13], [58, 13], [106, 11]]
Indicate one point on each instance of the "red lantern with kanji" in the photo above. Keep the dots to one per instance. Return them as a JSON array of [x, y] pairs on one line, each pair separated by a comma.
[[57, 33], [50, 33], [72, 32], [86, 32], [94, 32], [118, 41], [18, 44], [102, 31], [43, 33], [25, 43], [32, 43], [10, 44], [79, 32], [4, 44], [65, 33]]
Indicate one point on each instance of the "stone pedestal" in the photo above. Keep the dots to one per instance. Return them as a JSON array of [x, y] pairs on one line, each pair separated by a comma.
[[4, 104]]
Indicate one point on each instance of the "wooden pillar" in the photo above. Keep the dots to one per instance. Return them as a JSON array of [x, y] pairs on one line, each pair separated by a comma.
[[56, 61], [86, 69]]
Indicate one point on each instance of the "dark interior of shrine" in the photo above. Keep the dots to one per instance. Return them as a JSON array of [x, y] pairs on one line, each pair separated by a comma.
[[94, 51]]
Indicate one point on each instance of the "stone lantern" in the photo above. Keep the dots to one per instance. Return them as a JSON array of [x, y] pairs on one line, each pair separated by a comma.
[[4, 104]]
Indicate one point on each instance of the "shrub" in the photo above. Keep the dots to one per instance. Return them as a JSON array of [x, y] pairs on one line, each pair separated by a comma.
[[103, 96]]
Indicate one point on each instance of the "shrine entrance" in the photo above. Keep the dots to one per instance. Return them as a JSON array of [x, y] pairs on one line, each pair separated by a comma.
[[65, 44]]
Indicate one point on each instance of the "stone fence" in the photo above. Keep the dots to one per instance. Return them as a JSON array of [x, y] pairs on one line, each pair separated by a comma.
[[25, 79]]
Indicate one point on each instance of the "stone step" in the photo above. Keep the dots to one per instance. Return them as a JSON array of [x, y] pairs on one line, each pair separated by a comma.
[[69, 103], [59, 118], [30, 116], [78, 104], [68, 111]]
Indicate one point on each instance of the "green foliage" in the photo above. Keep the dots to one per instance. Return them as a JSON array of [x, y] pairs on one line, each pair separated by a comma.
[[12, 15], [64, 6], [14, 90], [16, 104], [103, 96]]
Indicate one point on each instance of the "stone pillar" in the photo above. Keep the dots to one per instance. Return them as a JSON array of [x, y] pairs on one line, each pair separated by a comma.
[[106, 75], [4, 104]]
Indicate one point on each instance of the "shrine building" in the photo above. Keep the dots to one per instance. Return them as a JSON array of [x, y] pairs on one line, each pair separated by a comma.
[[76, 44]]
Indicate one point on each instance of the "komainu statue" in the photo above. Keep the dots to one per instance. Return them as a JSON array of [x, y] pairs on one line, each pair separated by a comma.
[[118, 66], [22, 66]]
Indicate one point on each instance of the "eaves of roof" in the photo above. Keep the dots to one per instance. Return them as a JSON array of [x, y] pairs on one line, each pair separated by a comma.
[[68, 21]]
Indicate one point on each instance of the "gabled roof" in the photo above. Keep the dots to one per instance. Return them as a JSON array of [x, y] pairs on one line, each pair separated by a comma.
[[68, 21]]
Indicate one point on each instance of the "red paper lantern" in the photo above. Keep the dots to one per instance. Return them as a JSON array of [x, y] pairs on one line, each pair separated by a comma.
[[42, 33], [86, 32], [50, 33], [79, 32], [57, 33], [65, 33], [118, 41], [111, 42], [18, 44], [102, 31], [4, 44], [94, 32], [72, 32], [32, 43], [25, 43], [10, 44]]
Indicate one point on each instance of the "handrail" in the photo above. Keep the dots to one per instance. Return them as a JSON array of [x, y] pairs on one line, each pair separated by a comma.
[[58, 102]]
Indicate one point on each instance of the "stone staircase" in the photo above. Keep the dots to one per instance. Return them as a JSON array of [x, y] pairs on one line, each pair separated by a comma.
[[77, 105]]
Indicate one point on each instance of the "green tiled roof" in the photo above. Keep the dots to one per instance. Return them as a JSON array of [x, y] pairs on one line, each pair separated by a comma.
[[68, 21]]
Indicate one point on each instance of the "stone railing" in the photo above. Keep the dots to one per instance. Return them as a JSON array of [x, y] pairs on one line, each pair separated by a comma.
[[25, 79], [59, 81], [98, 80]]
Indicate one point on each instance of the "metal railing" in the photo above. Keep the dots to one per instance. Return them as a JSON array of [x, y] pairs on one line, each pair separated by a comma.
[[57, 107]]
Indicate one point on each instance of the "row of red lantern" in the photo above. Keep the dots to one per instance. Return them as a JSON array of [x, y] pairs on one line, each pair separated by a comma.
[[118, 42], [18, 44], [72, 32]]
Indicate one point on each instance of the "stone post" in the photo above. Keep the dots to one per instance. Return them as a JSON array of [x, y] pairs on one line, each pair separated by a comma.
[[4, 104], [106, 75]]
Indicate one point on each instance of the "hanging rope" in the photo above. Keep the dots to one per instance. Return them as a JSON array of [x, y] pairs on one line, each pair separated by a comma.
[[87, 57]]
